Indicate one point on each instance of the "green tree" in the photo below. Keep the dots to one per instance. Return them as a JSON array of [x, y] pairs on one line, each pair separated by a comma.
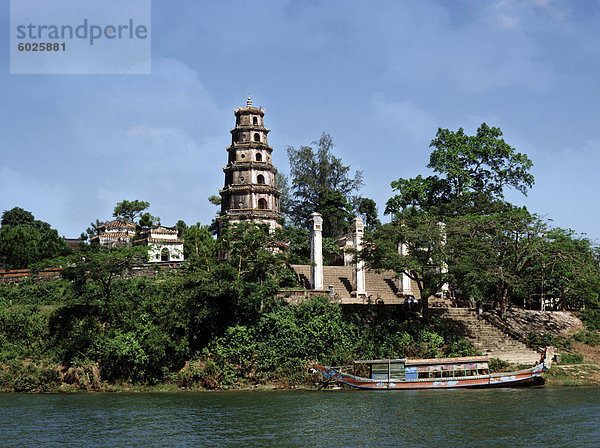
[[470, 176], [337, 214], [318, 180], [100, 268], [298, 240], [472, 173], [25, 241], [199, 242], [566, 269], [481, 165], [367, 208], [214, 199], [493, 253], [91, 231], [414, 246], [181, 227], [16, 217], [129, 210], [147, 221]]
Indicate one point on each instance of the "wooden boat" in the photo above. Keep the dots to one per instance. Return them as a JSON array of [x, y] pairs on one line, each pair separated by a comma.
[[440, 373]]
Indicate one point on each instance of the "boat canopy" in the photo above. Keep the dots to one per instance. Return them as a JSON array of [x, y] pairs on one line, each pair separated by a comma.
[[403, 369]]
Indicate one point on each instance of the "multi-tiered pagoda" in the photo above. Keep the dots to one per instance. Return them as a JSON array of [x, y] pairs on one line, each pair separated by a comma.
[[250, 192]]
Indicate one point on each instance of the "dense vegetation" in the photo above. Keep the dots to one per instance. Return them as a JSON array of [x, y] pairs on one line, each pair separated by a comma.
[[194, 328], [215, 323], [456, 227]]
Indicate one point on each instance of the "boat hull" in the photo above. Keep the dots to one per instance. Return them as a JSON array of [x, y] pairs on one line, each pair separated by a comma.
[[519, 378]]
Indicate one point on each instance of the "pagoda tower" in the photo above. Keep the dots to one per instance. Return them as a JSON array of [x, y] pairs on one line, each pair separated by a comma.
[[250, 192]]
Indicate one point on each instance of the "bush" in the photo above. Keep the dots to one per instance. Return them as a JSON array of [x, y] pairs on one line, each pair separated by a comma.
[[498, 365], [22, 332], [591, 318], [19, 376], [571, 358], [589, 337], [546, 339], [28, 292]]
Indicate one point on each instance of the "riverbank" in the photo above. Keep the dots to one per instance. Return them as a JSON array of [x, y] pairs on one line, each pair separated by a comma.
[[48, 378]]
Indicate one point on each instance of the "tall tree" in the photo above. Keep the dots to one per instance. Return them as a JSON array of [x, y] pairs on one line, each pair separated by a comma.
[[492, 253], [416, 247], [129, 210], [566, 270], [199, 242], [25, 241], [367, 208], [470, 176], [100, 267], [147, 221], [472, 173], [318, 177], [16, 216], [482, 164]]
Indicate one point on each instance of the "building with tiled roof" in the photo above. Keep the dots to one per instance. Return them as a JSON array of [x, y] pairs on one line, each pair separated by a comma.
[[164, 244], [250, 193], [116, 233]]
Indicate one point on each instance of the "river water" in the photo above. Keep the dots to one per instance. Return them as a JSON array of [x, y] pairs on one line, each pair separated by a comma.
[[443, 418]]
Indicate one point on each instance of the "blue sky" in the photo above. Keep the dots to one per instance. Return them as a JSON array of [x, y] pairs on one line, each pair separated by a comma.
[[381, 77]]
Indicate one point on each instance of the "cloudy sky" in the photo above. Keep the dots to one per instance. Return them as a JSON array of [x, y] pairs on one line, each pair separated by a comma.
[[381, 77]]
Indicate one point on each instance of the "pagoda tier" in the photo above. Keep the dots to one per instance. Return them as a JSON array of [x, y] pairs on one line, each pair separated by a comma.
[[250, 191]]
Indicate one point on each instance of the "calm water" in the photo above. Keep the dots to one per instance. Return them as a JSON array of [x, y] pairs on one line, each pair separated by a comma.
[[449, 418]]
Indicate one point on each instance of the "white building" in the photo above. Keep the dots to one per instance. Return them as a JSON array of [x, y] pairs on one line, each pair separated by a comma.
[[164, 245]]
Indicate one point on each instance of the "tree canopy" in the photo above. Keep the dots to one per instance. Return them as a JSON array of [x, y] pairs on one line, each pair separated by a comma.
[[471, 174], [321, 182], [129, 210], [25, 241]]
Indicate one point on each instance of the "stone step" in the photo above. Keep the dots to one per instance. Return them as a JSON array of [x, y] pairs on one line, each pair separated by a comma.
[[488, 338]]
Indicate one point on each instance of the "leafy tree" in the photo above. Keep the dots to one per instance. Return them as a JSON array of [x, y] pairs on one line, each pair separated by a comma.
[[199, 242], [91, 231], [147, 221], [415, 246], [298, 240], [25, 241], [483, 164], [319, 179], [129, 210], [495, 244], [472, 173], [16, 217], [492, 253], [100, 268], [337, 214], [181, 227], [367, 208], [566, 269], [252, 249], [214, 199]]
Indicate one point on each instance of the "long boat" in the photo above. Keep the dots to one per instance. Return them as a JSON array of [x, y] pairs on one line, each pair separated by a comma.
[[439, 373]]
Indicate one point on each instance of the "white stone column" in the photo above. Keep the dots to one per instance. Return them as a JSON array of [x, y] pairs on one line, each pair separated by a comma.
[[444, 266], [405, 284], [316, 252], [358, 230]]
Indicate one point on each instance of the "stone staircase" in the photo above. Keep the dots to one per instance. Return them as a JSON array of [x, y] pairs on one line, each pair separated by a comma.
[[486, 337], [378, 285]]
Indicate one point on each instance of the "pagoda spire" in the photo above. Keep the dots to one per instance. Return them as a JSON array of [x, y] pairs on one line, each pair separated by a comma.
[[250, 191]]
